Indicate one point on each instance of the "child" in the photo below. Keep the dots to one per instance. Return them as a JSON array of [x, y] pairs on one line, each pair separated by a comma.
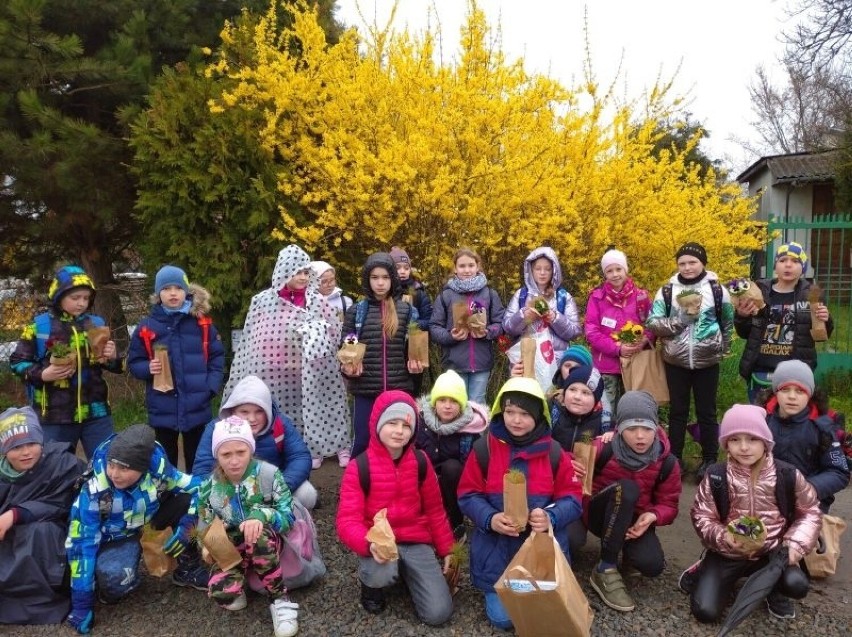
[[518, 438], [132, 484], [636, 488], [71, 400], [804, 435], [611, 305], [752, 475], [180, 322], [413, 292], [782, 329], [37, 485], [276, 439], [693, 346], [400, 479], [574, 357], [290, 342], [470, 353], [452, 425], [327, 288], [381, 323], [254, 526]]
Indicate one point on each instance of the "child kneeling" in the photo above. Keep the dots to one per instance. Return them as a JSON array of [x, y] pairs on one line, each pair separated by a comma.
[[393, 475], [754, 482]]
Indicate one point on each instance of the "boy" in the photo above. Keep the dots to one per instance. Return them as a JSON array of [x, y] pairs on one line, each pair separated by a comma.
[[132, 484], [518, 438]]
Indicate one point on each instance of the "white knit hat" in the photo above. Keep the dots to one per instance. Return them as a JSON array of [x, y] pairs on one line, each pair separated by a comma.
[[613, 257], [232, 428]]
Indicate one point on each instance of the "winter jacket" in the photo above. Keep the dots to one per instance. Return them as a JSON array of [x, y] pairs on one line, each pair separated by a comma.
[[415, 290], [196, 374], [756, 498], [565, 327], [658, 498], [454, 446], [471, 354], [753, 327], [32, 554], [807, 442], [481, 496], [102, 513], [569, 428], [604, 319], [339, 302], [415, 511], [693, 344]]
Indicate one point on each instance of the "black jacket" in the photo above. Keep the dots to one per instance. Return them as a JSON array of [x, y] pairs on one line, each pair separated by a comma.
[[568, 428]]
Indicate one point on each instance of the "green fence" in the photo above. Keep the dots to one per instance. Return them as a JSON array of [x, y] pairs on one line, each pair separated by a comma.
[[827, 239]]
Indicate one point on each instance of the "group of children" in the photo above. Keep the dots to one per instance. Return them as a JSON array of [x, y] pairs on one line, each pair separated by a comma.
[[430, 463]]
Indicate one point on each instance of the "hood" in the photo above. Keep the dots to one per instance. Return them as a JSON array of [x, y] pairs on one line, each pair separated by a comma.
[[66, 279], [290, 260], [525, 385], [382, 402], [252, 390], [548, 254], [320, 268], [380, 260], [198, 296]]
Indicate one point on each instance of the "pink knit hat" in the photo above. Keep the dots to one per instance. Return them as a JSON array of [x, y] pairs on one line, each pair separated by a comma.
[[232, 428], [745, 419], [613, 257]]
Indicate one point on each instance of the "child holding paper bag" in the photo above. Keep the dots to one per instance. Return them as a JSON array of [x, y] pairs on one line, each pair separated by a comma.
[[393, 476]]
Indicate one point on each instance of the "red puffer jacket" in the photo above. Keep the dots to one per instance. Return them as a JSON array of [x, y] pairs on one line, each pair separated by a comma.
[[415, 512]]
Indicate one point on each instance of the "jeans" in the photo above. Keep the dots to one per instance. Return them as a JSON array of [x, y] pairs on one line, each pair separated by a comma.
[[476, 384], [361, 408], [92, 433], [496, 612]]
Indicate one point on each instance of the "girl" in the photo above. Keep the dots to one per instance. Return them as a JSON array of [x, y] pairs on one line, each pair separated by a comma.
[[752, 476], [252, 499], [327, 288], [470, 353], [381, 323], [610, 306], [290, 341]]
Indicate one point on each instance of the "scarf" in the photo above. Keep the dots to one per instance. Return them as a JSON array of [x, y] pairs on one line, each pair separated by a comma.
[[631, 460], [430, 419], [537, 432], [619, 298], [693, 281], [473, 284], [7, 471], [296, 297], [183, 309]]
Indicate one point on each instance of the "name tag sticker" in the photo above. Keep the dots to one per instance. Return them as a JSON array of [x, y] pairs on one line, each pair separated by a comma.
[[608, 322]]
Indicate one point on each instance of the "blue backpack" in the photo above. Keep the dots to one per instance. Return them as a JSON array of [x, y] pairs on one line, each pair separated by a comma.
[[561, 299]]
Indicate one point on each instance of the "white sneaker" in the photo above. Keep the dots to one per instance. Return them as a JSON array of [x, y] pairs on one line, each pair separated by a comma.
[[238, 604], [284, 617]]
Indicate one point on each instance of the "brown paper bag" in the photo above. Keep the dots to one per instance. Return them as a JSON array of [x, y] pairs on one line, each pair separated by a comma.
[[461, 313], [69, 360], [418, 346], [352, 353], [822, 561], [157, 562], [528, 347], [221, 549], [515, 498], [381, 534], [645, 371], [586, 453], [818, 331], [541, 594], [163, 381], [477, 323], [691, 303], [98, 337]]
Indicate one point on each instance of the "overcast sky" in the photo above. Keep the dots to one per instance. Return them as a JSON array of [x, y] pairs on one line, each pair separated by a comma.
[[716, 46]]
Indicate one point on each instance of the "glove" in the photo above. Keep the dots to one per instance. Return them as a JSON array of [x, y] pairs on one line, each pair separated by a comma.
[[178, 542], [81, 616]]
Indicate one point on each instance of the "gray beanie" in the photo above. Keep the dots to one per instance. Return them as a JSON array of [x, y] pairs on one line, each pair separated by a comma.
[[132, 448], [636, 409], [793, 373]]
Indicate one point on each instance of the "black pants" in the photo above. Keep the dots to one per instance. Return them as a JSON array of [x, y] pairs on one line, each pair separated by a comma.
[[449, 475], [701, 385], [611, 513], [169, 439], [718, 574]]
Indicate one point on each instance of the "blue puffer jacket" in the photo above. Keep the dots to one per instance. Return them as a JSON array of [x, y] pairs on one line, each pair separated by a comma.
[[196, 380]]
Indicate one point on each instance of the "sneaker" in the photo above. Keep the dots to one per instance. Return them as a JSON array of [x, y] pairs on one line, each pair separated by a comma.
[[194, 576], [238, 604], [343, 457], [373, 599], [316, 463], [780, 606], [609, 585], [688, 580], [284, 617]]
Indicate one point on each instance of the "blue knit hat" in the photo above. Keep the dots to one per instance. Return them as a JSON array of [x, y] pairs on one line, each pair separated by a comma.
[[171, 275], [579, 354], [66, 279], [795, 251], [588, 376]]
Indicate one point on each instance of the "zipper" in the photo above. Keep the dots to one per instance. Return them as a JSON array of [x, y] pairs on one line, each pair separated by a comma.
[[384, 348], [470, 357], [78, 416]]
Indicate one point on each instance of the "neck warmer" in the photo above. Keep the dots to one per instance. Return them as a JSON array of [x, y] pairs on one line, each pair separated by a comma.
[[473, 284], [183, 309], [296, 297], [7, 471], [430, 419], [537, 432], [619, 298], [631, 460], [685, 281]]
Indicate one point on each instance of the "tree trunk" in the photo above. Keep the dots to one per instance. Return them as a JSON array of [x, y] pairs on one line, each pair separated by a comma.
[[107, 299]]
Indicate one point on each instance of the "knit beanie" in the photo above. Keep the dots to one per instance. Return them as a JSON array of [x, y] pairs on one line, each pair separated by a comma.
[[794, 250], [613, 257], [250, 390], [636, 409], [232, 428], [793, 372], [588, 376], [66, 279], [171, 275], [397, 410], [694, 250], [745, 419], [132, 448], [576, 353], [449, 385], [19, 426], [399, 255], [529, 403]]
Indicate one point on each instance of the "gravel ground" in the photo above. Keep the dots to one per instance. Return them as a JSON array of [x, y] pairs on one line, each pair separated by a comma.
[[331, 607]]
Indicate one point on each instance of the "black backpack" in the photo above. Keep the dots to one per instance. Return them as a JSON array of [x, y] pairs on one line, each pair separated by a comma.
[[785, 489], [363, 463], [483, 455]]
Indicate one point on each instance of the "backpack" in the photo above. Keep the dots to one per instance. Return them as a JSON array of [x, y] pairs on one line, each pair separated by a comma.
[[483, 455], [361, 308], [561, 299], [665, 470], [363, 463], [785, 489], [715, 287]]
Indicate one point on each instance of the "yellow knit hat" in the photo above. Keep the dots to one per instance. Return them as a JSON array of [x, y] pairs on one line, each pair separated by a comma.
[[449, 385]]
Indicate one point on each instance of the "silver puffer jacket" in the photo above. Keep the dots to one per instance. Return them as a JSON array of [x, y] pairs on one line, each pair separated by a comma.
[[757, 499]]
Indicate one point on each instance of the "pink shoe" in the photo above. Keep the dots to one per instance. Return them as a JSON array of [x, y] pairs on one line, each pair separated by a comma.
[[343, 457], [316, 463]]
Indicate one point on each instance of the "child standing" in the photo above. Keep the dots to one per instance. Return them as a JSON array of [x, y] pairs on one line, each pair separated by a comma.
[[452, 425], [413, 292], [751, 477], [254, 525], [37, 486], [693, 346], [71, 400], [180, 322], [470, 353], [518, 438], [290, 341], [327, 288], [400, 479], [782, 329], [381, 323]]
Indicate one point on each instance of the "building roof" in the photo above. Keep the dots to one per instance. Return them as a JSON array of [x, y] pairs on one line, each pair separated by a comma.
[[795, 167]]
